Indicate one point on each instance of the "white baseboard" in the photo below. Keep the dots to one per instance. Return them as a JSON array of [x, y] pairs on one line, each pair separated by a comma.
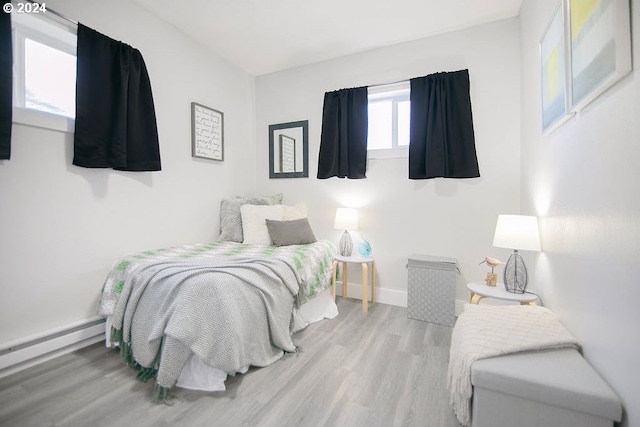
[[383, 295], [30, 351], [387, 296]]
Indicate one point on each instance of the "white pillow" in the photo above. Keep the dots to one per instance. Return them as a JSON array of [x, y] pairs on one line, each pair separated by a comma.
[[299, 211], [254, 224]]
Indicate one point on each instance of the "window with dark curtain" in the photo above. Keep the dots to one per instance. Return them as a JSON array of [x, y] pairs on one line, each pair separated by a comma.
[[343, 142], [115, 124], [442, 142], [6, 85]]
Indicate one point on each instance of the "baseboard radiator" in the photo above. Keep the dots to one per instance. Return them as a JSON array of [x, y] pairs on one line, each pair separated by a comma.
[[30, 351]]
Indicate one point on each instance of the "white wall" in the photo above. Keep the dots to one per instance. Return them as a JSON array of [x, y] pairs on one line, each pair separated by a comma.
[[398, 216], [582, 181], [62, 226]]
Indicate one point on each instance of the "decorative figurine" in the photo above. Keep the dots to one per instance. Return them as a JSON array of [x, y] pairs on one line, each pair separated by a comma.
[[364, 248], [492, 278]]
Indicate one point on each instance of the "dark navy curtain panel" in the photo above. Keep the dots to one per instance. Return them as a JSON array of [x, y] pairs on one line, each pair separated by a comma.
[[442, 142], [343, 142], [6, 85], [115, 115]]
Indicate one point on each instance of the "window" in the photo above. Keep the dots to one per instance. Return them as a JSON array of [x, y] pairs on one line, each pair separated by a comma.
[[44, 57], [49, 79], [389, 113]]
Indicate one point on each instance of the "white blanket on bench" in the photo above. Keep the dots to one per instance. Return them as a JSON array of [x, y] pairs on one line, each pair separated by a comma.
[[493, 331]]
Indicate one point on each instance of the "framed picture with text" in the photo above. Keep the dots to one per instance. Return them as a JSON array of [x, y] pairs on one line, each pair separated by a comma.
[[207, 132]]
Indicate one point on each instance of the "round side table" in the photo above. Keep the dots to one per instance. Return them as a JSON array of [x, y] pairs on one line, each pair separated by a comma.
[[478, 291], [364, 262]]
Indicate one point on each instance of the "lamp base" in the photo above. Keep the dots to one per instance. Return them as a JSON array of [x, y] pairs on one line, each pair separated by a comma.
[[346, 244], [515, 274]]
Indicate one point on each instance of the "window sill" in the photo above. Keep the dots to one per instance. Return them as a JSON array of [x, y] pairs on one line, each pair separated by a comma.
[[389, 153], [40, 119]]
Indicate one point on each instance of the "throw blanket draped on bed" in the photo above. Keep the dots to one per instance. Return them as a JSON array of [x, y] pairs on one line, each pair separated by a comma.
[[230, 313], [312, 263], [493, 331]]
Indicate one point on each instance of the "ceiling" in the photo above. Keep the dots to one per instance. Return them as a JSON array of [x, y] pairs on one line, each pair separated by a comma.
[[264, 36]]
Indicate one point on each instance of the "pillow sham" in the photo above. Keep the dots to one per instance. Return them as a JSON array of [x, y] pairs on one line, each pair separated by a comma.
[[230, 217], [254, 226], [292, 232]]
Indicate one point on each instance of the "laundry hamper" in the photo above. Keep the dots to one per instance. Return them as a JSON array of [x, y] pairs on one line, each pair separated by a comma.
[[432, 288]]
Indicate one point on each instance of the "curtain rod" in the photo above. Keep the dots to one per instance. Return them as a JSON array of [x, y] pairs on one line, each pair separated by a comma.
[[53, 12], [390, 83]]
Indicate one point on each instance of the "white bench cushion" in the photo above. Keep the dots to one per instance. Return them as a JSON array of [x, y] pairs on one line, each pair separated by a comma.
[[561, 378]]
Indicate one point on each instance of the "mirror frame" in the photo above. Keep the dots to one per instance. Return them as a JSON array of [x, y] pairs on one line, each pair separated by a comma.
[[304, 124]]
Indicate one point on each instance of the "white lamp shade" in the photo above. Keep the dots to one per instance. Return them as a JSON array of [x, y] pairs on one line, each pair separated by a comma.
[[346, 219], [518, 232]]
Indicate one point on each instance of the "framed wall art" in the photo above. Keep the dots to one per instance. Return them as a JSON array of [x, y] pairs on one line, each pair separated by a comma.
[[207, 132], [599, 33], [553, 63], [289, 150], [585, 49]]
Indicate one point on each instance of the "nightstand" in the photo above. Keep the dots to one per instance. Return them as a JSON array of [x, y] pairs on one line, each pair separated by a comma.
[[478, 291], [364, 262]]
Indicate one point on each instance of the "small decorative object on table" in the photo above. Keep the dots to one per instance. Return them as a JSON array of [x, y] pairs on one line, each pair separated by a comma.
[[492, 278], [364, 248]]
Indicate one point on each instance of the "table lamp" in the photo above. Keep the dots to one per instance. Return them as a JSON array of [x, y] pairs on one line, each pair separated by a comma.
[[347, 220], [517, 232]]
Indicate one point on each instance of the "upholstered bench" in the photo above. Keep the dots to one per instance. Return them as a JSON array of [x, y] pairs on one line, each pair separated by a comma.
[[550, 388]]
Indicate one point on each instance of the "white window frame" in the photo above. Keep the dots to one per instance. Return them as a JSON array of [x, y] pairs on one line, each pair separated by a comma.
[[396, 92], [53, 34]]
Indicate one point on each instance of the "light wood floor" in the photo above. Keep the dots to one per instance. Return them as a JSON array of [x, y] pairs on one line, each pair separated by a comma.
[[375, 369]]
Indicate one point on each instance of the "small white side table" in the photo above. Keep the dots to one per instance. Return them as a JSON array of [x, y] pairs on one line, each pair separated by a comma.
[[364, 262], [479, 290]]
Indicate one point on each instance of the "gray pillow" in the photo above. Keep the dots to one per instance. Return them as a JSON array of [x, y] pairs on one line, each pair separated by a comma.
[[231, 219], [294, 232]]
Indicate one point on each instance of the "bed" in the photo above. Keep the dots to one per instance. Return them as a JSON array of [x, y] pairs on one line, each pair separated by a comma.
[[190, 315]]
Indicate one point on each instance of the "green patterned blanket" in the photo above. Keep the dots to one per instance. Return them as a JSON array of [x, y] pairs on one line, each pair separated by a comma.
[[312, 263]]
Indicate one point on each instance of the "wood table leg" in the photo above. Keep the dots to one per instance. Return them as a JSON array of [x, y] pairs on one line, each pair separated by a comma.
[[365, 291], [333, 279], [475, 298], [373, 282], [344, 280]]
